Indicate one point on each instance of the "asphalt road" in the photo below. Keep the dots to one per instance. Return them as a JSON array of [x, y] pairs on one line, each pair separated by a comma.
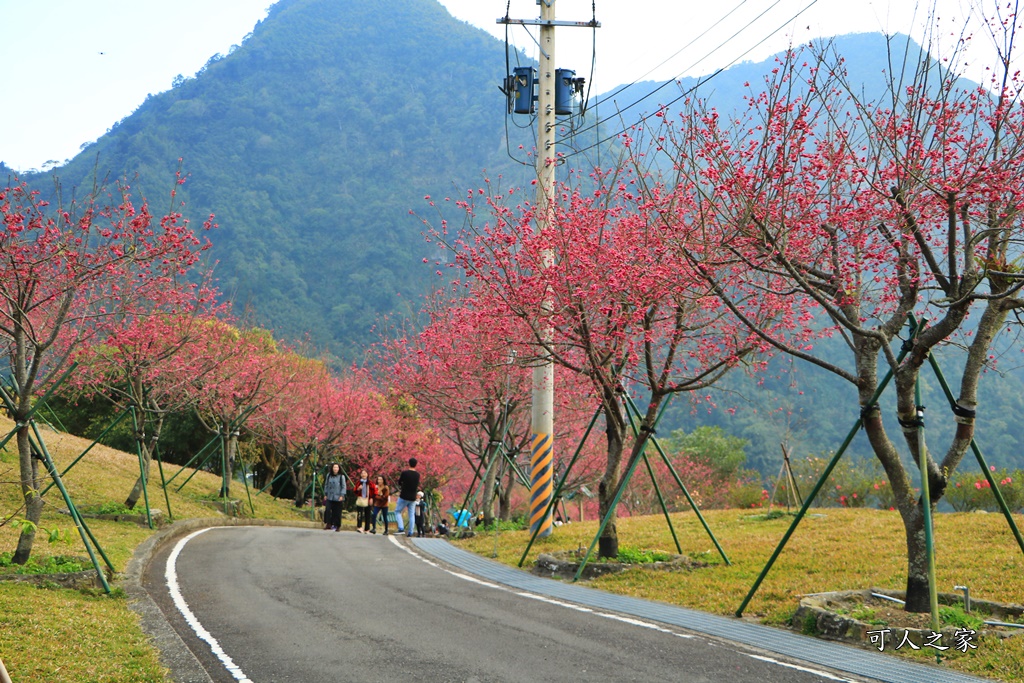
[[279, 605]]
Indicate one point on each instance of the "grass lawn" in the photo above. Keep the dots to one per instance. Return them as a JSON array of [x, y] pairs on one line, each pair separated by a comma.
[[832, 549], [49, 633], [54, 634]]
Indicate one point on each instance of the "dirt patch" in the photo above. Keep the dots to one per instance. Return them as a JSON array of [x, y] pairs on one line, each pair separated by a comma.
[[564, 564]]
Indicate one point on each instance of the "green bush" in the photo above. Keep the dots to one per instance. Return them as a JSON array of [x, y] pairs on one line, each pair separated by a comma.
[[748, 491], [952, 615], [109, 508], [852, 482], [55, 564], [969, 491], [640, 556]]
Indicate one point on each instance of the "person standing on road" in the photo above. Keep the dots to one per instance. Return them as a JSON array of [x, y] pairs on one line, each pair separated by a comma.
[[381, 499], [408, 485], [334, 496], [421, 514], [364, 493]]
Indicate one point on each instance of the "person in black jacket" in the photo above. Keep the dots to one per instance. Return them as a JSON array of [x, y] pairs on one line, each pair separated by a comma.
[[408, 485]]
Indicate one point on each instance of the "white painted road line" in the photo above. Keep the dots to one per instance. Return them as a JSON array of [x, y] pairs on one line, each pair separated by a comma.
[[179, 601]]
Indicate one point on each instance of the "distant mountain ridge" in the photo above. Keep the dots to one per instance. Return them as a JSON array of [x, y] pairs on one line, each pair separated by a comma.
[[313, 140]]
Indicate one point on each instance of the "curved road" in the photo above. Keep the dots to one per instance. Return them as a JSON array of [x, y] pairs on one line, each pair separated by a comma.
[[279, 605]]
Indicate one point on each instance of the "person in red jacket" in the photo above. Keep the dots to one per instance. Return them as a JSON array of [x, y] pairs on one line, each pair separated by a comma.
[[365, 490], [380, 504]]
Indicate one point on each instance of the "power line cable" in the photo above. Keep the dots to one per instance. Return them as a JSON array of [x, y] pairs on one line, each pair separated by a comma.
[[676, 53], [719, 47], [699, 83]]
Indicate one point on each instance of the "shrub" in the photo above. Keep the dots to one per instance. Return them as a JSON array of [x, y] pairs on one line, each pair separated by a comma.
[[748, 493], [852, 483], [969, 491], [640, 556], [952, 615], [55, 564]]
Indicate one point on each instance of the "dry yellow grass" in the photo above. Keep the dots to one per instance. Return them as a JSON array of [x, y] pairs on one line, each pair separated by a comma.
[[50, 634], [832, 549]]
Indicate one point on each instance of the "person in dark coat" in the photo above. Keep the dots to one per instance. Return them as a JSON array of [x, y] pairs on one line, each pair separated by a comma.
[[408, 485], [334, 495]]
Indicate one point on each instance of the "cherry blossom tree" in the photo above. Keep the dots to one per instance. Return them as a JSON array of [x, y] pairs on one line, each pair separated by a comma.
[[147, 366], [69, 272], [235, 376], [463, 370], [622, 308], [868, 215]]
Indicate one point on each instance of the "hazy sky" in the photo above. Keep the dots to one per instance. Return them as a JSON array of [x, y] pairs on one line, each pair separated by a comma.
[[72, 68]]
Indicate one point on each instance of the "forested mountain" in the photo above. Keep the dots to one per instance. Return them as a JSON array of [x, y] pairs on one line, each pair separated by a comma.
[[313, 140]]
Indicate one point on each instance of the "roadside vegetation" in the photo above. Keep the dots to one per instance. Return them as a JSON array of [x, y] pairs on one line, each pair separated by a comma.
[[50, 633], [833, 549], [98, 637]]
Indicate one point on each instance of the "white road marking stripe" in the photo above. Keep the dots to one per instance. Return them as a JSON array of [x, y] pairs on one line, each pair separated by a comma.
[[179, 601], [606, 615], [236, 672], [817, 672]]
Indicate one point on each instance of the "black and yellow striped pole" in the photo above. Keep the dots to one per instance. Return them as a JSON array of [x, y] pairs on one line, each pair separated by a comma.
[[540, 484]]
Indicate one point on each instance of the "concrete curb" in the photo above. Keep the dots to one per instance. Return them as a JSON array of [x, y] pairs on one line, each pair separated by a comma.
[[174, 654]]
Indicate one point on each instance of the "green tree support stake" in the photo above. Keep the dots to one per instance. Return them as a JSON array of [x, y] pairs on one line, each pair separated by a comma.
[[142, 467], [654, 480], [611, 509], [224, 472], [245, 480], [191, 460], [980, 458], [7, 398], [817, 487], [471, 491], [83, 529], [123, 414], [686, 492], [163, 482], [561, 483], [288, 470], [618, 492], [198, 469], [926, 507]]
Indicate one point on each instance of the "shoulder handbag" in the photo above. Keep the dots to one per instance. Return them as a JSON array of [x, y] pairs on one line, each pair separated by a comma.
[[362, 502]]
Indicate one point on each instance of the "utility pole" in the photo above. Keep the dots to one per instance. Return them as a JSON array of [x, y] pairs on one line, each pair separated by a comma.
[[543, 388]]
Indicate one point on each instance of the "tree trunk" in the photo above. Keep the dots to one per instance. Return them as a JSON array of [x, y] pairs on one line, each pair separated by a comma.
[[30, 486], [505, 499], [230, 449], [487, 495], [918, 599], [147, 457], [299, 480], [147, 450], [615, 428]]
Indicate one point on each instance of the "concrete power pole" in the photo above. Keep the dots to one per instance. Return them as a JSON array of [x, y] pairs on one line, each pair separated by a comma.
[[543, 406], [543, 396]]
